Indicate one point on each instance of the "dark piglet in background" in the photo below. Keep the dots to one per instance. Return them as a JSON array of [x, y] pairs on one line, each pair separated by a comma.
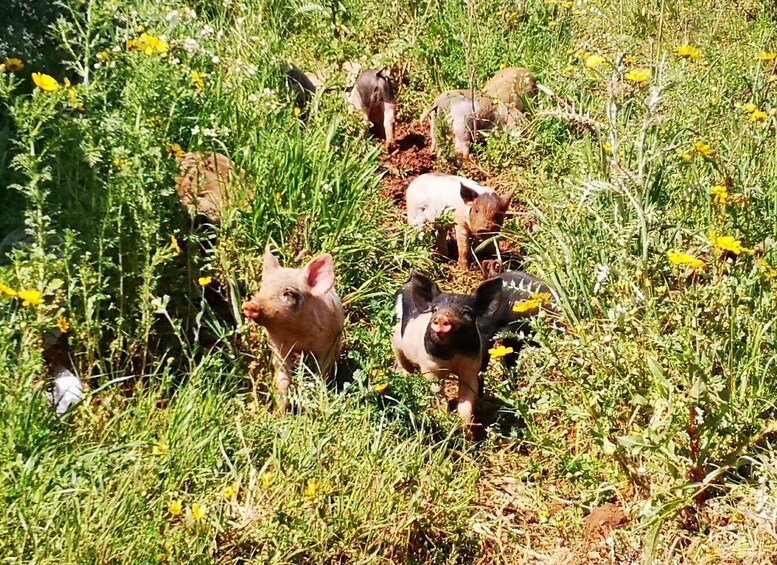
[[437, 333], [517, 286], [373, 95]]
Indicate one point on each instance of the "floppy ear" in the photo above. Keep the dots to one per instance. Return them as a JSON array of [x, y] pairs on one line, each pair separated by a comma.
[[381, 73], [507, 199], [422, 290], [468, 194], [320, 274], [488, 297], [270, 261]]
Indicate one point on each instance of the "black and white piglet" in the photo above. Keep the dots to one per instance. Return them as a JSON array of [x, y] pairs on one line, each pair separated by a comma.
[[437, 333]]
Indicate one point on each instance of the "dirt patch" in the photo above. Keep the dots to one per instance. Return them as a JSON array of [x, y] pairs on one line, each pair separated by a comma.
[[412, 157], [603, 519]]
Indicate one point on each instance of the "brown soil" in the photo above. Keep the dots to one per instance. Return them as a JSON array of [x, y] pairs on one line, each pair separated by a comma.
[[603, 519]]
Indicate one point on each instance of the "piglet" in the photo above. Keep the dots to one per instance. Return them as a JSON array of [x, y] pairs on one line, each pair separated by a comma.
[[437, 333], [469, 112], [373, 95], [302, 314], [209, 183], [477, 210], [515, 86]]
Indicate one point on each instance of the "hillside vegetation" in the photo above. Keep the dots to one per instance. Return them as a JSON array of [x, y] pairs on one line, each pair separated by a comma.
[[639, 428]]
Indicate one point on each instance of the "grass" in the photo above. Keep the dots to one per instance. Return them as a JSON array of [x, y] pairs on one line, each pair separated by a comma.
[[655, 391]]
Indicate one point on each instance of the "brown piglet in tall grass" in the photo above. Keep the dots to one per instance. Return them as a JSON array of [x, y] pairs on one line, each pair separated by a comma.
[[302, 314]]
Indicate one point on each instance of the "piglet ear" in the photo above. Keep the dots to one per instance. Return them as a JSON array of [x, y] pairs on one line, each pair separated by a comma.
[[270, 261], [320, 274], [507, 199], [488, 297], [423, 290], [468, 194]]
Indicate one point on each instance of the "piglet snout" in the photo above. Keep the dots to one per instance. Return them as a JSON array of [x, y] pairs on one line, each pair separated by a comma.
[[441, 326], [251, 311]]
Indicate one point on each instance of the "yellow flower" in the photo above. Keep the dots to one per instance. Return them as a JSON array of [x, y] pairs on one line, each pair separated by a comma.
[[728, 243], [688, 51], [45, 82], [231, 491], [530, 307], [703, 148], [103, 56], [175, 150], [174, 244], [684, 155], [767, 56], [607, 146], [638, 76], [30, 297], [380, 388], [499, 352], [73, 100], [768, 270], [678, 258], [544, 297], [153, 44], [63, 324], [267, 479], [314, 489], [569, 70], [136, 45], [159, 449], [205, 281], [7, 290], [197, 80], [174, 507], [13, 65], [199, 511], [277, 196], [593, 61], [758, 116], [720, 192], [749, 107]]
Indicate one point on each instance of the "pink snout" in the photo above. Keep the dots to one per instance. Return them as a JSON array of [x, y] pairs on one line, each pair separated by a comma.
[[441, 326], [252, 311]]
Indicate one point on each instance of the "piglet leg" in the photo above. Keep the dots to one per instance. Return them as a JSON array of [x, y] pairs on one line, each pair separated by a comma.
[[468, 387], [462, 243], [389, 115]]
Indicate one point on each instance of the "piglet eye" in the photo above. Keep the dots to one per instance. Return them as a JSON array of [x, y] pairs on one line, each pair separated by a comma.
[[467, 312], [289, 294], [434, 309]]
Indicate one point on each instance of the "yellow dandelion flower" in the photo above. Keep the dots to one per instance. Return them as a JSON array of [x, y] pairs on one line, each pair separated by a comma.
[[174, 245], [529, 307], [499, 352], [767, 56], [205, 281], [63, 324], [103, 56], [594, 61], [380, 388], [638, 76], [684, 155], [749, 107], [153, 44], [30, 297], [277, 196], [174, 507], [135, 45], [720, 192], [758, 116], [267, 479], [199, 511], [544, 297], [688, 51], [45, 82], [703, 148], [729, 243], [230, 491], [197, 79], [159, 448], [13, 65], [314, 489], [768, 270], [678, 258], [175, 150], [7, 290], [569, 70]]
